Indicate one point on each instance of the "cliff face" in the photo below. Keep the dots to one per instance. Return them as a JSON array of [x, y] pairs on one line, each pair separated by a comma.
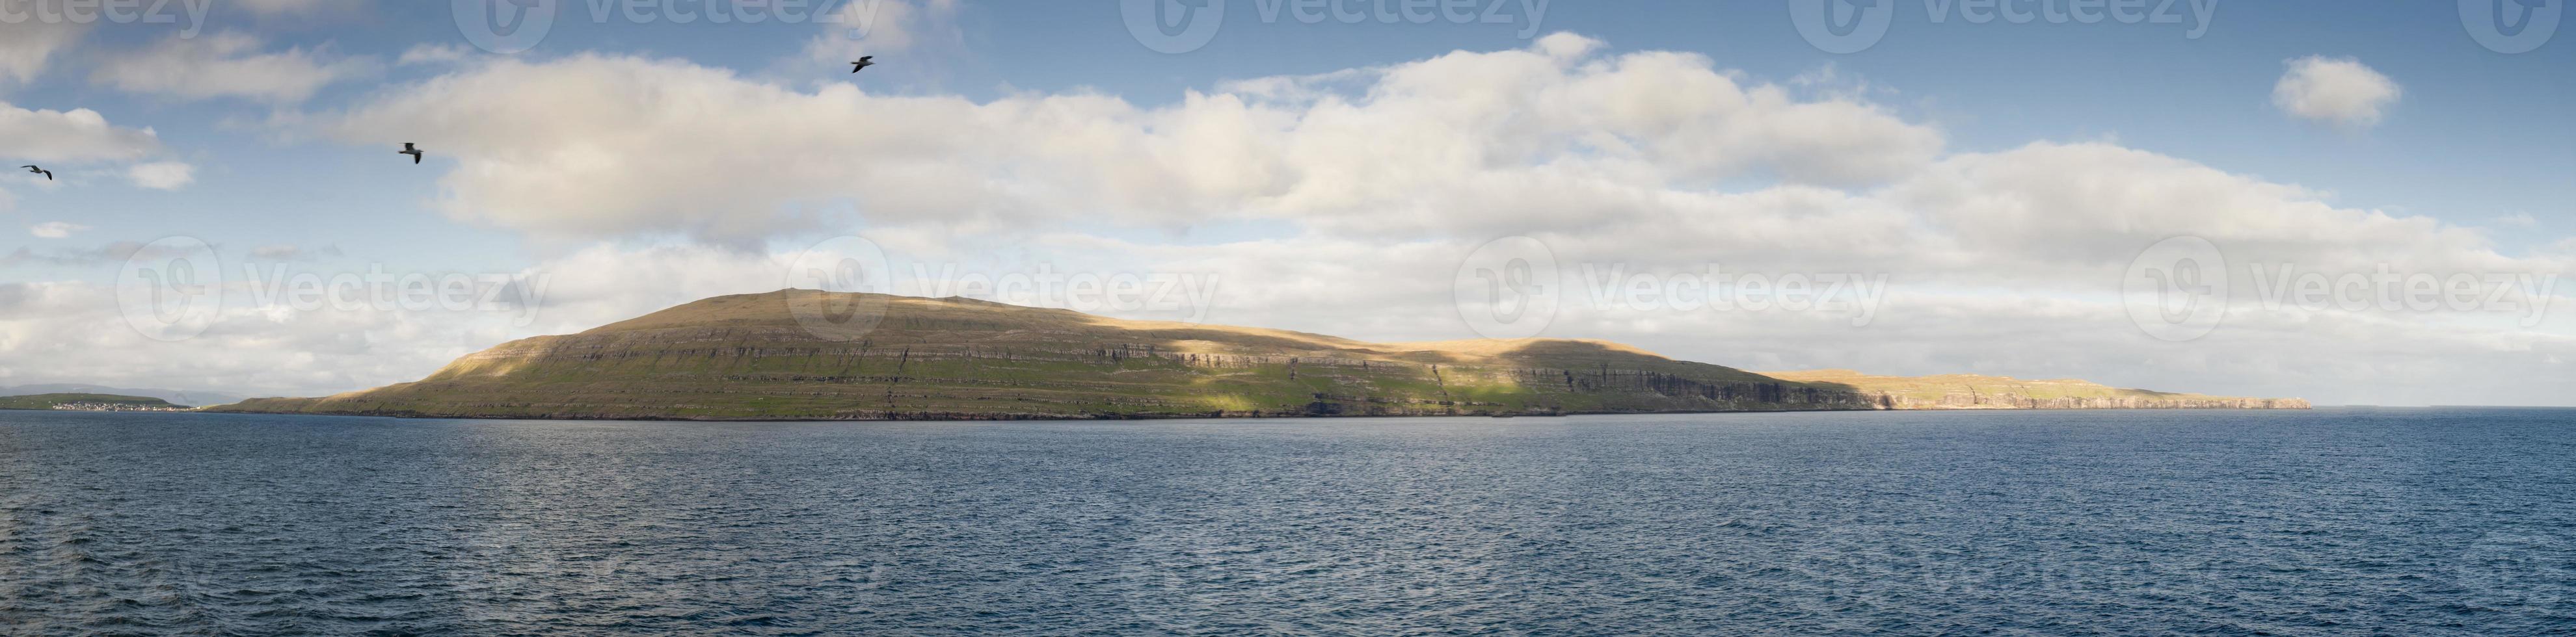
[[2016, 401], [748, 358], [1967, 391]]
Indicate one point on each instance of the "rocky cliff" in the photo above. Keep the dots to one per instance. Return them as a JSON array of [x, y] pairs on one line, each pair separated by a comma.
[[1968, 391]]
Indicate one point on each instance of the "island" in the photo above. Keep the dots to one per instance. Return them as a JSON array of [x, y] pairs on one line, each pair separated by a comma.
[[88, 402], [749, 357]]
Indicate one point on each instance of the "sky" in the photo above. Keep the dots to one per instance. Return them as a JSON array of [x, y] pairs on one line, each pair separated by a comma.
[[2354, 203]]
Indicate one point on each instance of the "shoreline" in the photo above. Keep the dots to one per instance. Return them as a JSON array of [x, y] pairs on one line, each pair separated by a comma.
[[1152, 417]]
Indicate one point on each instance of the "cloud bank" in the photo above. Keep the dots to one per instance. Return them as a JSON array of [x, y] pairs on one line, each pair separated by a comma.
[[1347, 202]]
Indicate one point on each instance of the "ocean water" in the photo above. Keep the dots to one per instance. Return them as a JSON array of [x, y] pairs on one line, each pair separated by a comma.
[[2331, 522]]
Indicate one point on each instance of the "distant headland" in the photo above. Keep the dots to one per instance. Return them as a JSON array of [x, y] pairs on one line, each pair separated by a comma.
[[88, 402]]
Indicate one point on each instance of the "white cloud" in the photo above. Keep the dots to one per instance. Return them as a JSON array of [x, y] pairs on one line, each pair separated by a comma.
[[27, 46], [167, 175], [55, 229], [1368, 188], [225, 65], [69, 136], [434, 54], [2339, 91], [2044, 208], [294, 253], [295, 6], [1462, 125], [78, 136], [266, 346], [882, 27], [76, 328]]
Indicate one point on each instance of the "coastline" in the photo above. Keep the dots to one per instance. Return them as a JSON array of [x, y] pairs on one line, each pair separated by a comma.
[[408, 415]]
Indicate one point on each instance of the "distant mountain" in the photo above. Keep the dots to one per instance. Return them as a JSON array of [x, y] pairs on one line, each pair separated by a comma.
[[175, 396], [747, 357]]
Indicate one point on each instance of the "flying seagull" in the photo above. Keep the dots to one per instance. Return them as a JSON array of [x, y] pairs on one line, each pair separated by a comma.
[[863, 63], [49, 175], [409, 150]]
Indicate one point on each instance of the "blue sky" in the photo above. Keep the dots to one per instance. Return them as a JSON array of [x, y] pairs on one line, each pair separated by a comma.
[[2477, 142], [2479, 135]]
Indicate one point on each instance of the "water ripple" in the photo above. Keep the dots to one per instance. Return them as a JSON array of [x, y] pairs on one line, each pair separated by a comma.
[[2416, 522]]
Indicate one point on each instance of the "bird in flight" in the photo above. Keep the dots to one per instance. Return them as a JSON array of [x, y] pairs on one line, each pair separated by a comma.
[[863, 63], [409, 150], [49, 175]]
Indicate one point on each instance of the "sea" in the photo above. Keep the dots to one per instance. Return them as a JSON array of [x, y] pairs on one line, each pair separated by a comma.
[[2350, 521]]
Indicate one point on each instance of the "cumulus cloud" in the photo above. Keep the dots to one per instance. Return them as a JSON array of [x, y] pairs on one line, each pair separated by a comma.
[[76, 327], [2046, 206], [433, 54], [227, 64], [27, 46], [77, 135], [261, 340], [881, 27], [166, 175], [2339, 91], [1370, 188], [80, 136], [55, 229], [1553, 119]]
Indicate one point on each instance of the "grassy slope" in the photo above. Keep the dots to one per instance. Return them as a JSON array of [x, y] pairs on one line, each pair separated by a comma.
[[1969, 391], [48, 401], [745, 357]]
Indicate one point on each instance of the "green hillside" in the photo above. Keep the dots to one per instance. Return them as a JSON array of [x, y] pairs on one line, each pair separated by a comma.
[[746, 358]]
